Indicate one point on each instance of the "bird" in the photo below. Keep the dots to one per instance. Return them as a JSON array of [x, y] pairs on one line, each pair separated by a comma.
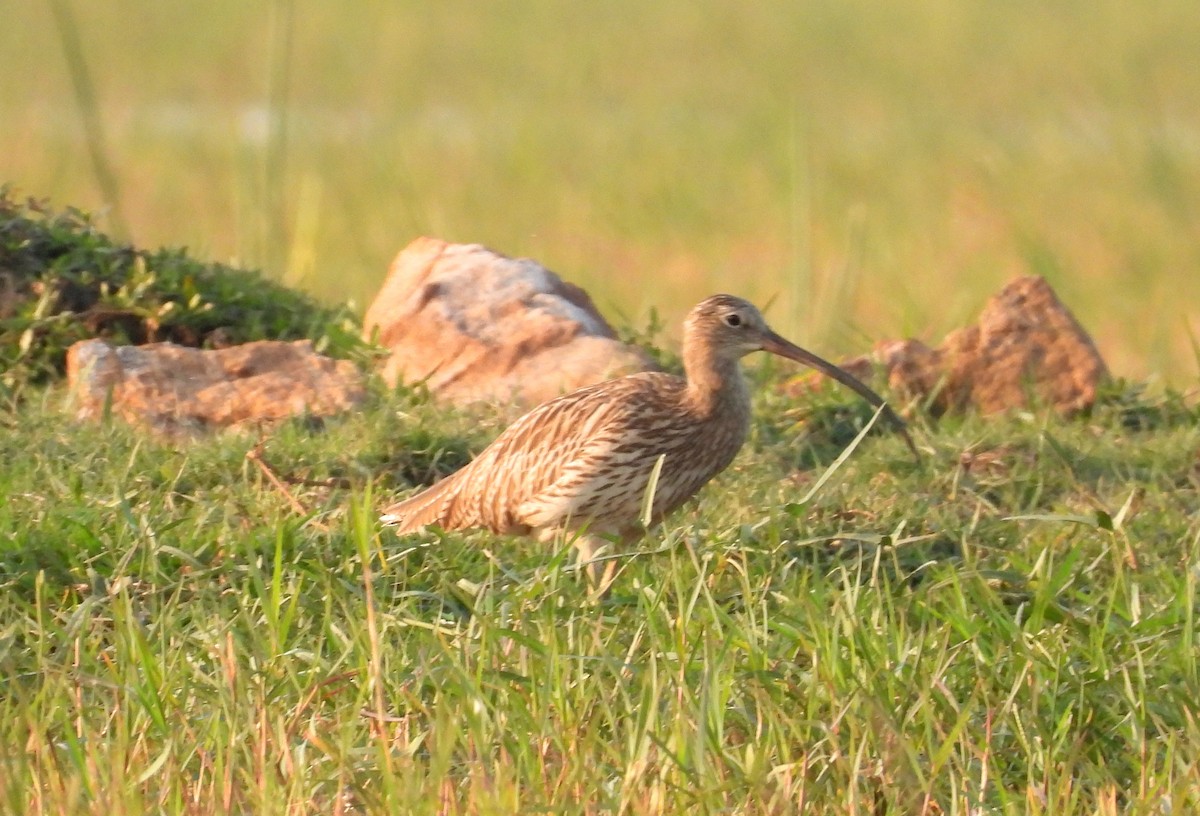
[[603, 463]]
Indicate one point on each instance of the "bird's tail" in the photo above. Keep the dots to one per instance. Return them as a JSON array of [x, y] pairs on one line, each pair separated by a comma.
[[431, 506]]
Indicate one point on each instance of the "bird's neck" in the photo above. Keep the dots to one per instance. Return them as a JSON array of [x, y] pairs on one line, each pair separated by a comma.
[[715, 384]]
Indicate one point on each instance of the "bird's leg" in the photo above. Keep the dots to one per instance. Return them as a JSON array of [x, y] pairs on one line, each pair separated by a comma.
[[600, 573]]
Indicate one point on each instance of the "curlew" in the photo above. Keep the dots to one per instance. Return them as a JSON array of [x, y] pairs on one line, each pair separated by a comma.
[[583, 464]]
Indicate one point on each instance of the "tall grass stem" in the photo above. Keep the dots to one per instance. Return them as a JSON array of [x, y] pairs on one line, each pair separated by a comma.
[[89, 113]]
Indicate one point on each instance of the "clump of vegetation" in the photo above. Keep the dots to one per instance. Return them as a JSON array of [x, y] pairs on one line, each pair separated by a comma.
[[63, 280]]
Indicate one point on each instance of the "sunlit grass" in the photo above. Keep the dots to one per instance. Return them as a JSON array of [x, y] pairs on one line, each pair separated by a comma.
[[1007, 626], [879, 171]]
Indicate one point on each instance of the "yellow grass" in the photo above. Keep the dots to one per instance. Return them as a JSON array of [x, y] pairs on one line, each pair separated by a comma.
[[877, 170]]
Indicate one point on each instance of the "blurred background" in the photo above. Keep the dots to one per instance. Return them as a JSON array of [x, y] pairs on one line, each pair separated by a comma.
[[869, 169]]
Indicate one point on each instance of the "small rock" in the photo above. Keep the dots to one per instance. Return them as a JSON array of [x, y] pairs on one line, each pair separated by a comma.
[[1026, 344], [180, 390], [474, 325]]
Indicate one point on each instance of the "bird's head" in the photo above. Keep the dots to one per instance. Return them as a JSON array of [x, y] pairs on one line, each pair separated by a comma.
[[727, 327]]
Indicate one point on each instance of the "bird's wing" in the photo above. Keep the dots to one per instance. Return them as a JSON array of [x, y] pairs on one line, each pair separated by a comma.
[[520, 462], [604, 480], [521, 479]]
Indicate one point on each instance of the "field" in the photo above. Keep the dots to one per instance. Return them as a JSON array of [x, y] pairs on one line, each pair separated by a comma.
[[1006, 626], [875, 172]]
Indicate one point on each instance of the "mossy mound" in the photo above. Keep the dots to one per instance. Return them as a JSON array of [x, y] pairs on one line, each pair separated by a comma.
[[63, 280]]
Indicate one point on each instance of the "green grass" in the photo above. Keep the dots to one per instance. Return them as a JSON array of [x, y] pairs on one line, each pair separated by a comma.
[[878, 171], [64, 281], [1008, 626]]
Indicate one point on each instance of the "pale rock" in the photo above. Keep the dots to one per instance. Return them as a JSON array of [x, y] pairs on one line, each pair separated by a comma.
[[474, 325], [181, 390]]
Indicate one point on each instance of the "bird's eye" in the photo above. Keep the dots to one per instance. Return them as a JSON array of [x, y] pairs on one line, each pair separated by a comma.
[[734, 319]]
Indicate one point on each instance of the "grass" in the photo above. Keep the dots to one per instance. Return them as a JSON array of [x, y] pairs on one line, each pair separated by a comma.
[[63, 280], [1007, 627], [876, 171]]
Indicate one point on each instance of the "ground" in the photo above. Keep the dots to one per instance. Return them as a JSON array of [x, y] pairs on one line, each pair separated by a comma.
[[1006, 626]]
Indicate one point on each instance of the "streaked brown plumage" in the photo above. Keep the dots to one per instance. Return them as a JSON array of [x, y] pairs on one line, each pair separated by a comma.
[[582, 463]]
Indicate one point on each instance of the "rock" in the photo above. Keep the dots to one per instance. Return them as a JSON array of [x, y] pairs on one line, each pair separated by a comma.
[[1026, 344], [180, 390], [474, 325]]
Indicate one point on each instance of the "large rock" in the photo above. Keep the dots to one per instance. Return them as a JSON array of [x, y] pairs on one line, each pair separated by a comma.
[[181, 390], [474, 325], [1026, 344]]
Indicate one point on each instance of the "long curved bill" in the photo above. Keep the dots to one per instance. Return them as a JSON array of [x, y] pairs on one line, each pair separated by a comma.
[[775, 344]]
